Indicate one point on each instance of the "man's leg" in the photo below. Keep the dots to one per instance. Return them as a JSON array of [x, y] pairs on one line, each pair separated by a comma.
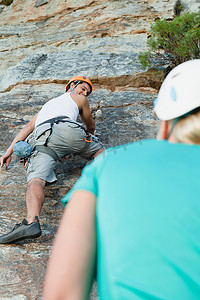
[[40, 164], [34, 198], [29, 228]]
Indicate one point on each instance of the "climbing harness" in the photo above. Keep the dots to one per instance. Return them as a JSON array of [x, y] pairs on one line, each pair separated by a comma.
[[24, 150], [45, 148]]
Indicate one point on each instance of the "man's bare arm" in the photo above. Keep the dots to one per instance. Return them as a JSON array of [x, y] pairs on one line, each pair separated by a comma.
[[85, 112], [86, 116], [21, 136]]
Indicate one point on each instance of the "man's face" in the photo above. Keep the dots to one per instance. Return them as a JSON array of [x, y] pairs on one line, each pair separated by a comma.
[[81, 89]]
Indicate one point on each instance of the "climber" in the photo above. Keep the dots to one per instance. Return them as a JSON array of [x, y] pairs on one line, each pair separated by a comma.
[[139, 207], [53, 133]]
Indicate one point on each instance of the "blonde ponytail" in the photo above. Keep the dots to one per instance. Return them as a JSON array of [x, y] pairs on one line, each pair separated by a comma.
[[187, 129]]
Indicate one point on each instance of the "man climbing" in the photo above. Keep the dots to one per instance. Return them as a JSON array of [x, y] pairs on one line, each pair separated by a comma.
[[54, 133]]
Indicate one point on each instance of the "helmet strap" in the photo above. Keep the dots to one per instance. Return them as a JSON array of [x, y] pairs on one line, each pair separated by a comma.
[[175, 121], [72, 89]]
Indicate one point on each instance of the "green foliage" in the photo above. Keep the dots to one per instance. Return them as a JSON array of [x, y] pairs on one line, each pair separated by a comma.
[[145, 59], [179, 37]]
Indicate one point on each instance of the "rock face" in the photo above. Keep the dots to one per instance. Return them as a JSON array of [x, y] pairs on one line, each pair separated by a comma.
[[43, 44], [28, 27]]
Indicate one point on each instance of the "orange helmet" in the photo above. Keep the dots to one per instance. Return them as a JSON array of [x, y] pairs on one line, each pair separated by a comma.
[[80, 78]]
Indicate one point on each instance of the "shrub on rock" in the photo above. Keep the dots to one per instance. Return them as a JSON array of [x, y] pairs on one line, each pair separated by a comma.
[[179, 37]]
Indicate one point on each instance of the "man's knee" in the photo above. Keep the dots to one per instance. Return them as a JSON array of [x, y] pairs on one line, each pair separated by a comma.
[[36, 181]]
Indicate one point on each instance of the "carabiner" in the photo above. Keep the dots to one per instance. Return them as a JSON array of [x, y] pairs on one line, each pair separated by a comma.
[[88, 141]]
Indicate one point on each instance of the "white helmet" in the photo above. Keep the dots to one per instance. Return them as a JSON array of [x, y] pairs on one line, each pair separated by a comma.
[[179, 92]]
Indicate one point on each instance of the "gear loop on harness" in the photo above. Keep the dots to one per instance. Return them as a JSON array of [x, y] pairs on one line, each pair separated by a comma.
[[88, 140]]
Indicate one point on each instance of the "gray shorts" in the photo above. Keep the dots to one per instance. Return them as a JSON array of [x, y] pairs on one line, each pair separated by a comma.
[[66, 138]]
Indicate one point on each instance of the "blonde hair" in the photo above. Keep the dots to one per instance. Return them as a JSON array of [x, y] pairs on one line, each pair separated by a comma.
[[187, 128]]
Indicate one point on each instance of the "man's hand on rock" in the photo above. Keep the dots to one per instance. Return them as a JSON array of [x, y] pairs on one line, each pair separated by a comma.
[[5, 159]]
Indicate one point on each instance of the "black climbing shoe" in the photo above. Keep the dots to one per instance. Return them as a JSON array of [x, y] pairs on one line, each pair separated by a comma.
[[21, 232]]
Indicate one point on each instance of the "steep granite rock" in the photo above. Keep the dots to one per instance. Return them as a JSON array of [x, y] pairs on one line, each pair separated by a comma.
[[96, 25]]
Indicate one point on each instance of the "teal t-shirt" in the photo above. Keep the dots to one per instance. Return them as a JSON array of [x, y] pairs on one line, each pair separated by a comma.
[[148, 220]]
